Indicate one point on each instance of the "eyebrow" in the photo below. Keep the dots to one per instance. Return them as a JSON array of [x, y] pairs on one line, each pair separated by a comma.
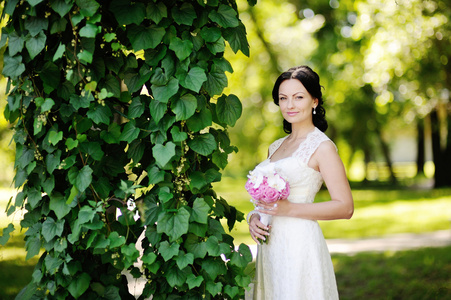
[[300, 92]]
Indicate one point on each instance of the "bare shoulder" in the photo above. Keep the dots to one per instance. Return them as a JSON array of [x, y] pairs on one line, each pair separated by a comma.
[[327, 148]]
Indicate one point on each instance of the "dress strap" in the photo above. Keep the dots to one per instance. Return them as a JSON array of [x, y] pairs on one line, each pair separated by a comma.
[[275, 145], [309, 146]]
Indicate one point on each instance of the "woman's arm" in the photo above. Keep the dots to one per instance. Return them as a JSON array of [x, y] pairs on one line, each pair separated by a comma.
[[341, 206]]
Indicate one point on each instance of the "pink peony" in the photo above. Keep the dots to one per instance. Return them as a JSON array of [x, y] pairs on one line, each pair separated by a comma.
[[270, 195], [285, 192]]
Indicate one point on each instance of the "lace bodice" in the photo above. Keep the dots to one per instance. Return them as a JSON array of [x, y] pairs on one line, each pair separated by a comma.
[[304, 181]]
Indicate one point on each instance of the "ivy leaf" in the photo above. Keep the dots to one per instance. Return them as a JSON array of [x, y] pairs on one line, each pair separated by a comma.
[[184, 15], [83, 179], [237, 39], [194, 79], [130, 254], [61, 7], [164, 92], [200, 211], [232, 291], [36, 25], [216, 81], [130, 132], [157, 110], [15, 43], [167, 250], [127, 12], [178, 136], [174, 225], [112, 135], [225, 16], [86, 214], [228, 109], [50, 228], [203, 144], [184, 107], [34, 2], [89, 30], [212, 245], [79, 285], [213, 267], [149, 258], [156, 11], [36, 44], [55, 136], [196, 247], [116, 240], [59, 206], [145, 37], [155, 175], [197, 181], [12, 66], [200, 120], [175, 277], [47, 105], [100, 114], [50, 75], [5, 235], [136, 108], [52, 161], [183, 260], [163, 154], [194, 281], [33, 246], [71, 143], [182, 48], [88, 8], [242, 257], [210, 34], [214, 288]]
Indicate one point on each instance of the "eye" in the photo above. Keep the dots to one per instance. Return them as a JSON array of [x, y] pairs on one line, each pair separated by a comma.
[[281, 98], [299, 97]]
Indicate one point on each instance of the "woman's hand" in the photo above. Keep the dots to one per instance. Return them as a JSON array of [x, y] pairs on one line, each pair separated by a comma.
[[279, 208], [257, 229]]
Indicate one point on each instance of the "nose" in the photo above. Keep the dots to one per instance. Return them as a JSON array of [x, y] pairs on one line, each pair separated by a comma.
[[290, 103]]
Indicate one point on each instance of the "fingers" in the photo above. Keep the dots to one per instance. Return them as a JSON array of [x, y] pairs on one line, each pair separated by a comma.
[[258, 231], [268, 208]]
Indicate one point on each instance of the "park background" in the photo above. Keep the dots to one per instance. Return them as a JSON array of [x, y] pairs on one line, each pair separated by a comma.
[[386, 76]]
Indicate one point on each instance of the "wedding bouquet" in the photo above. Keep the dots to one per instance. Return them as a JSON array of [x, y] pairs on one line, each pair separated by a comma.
[[265, 185]]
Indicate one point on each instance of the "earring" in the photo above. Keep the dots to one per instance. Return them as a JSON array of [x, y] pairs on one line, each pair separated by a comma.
[[314, 110]]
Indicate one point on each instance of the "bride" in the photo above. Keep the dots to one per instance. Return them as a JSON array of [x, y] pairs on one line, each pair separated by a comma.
[[295, 263]]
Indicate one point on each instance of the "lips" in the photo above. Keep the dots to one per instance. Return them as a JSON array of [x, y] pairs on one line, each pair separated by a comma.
[[291, 113]]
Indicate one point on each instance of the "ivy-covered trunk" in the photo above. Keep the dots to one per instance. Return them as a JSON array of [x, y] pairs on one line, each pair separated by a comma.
[[120, 127]]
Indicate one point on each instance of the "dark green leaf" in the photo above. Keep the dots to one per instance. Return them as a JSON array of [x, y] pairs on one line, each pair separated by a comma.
[[47, 105], [50, 228], [184, 15], [145, 37], [127, 12], [12, 66], [200, 211], [216, 81], [175, 277], [155, 175], [184, 107], [156, 11], [61, 7], [112, 135], [89, 30], [54, 137], [130, 132], [35, 25], [100, 114], [33, 246], [116, 240], [195, 246], [52, 161], [86, 214], [79, 285], [194, 281], [183, 260], [88, 7], [182, 48], [213, 248], [130, 254], [203, 144], [157, 109], [83, 179], [167, 250], [36, 44], [228, 109], [200, 120], [242, 257], [178, 136], [217, 47], [34, 197], [163, 154], [15, 43], [214, 288], [210, 34], [5, 235], [52, 264], [163, 93], [59, 206], [214, 267], [232, 291], [93, 149], [194, 79], [136, 108], [149, 258], [50, 75], [226, 16], [237, 39], [174, 225], [198, 181]]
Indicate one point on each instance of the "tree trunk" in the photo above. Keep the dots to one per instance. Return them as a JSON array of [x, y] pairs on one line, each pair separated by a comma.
[[386, 153], [420, 147], [437, 153]]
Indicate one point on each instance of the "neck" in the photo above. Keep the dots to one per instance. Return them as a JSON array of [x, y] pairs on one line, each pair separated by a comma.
[[301, 132]]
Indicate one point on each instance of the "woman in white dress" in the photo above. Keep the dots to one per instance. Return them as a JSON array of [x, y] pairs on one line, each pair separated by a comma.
[[295, 262]]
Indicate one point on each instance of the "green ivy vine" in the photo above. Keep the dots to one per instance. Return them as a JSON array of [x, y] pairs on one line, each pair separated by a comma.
[[120, 126]]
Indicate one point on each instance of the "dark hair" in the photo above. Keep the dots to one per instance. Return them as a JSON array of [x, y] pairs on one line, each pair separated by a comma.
[[310, 80]]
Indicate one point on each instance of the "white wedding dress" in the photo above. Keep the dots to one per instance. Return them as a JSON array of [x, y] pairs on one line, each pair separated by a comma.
[[295, 263]]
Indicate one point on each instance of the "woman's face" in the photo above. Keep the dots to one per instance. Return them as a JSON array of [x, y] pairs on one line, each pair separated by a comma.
[[295, 102]]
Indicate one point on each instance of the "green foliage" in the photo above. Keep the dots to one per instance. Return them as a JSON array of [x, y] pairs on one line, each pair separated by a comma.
[[118, 106]]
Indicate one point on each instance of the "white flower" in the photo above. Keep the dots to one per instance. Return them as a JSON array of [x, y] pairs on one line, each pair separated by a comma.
[[256, 178], [131, 204], [276, 182]]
